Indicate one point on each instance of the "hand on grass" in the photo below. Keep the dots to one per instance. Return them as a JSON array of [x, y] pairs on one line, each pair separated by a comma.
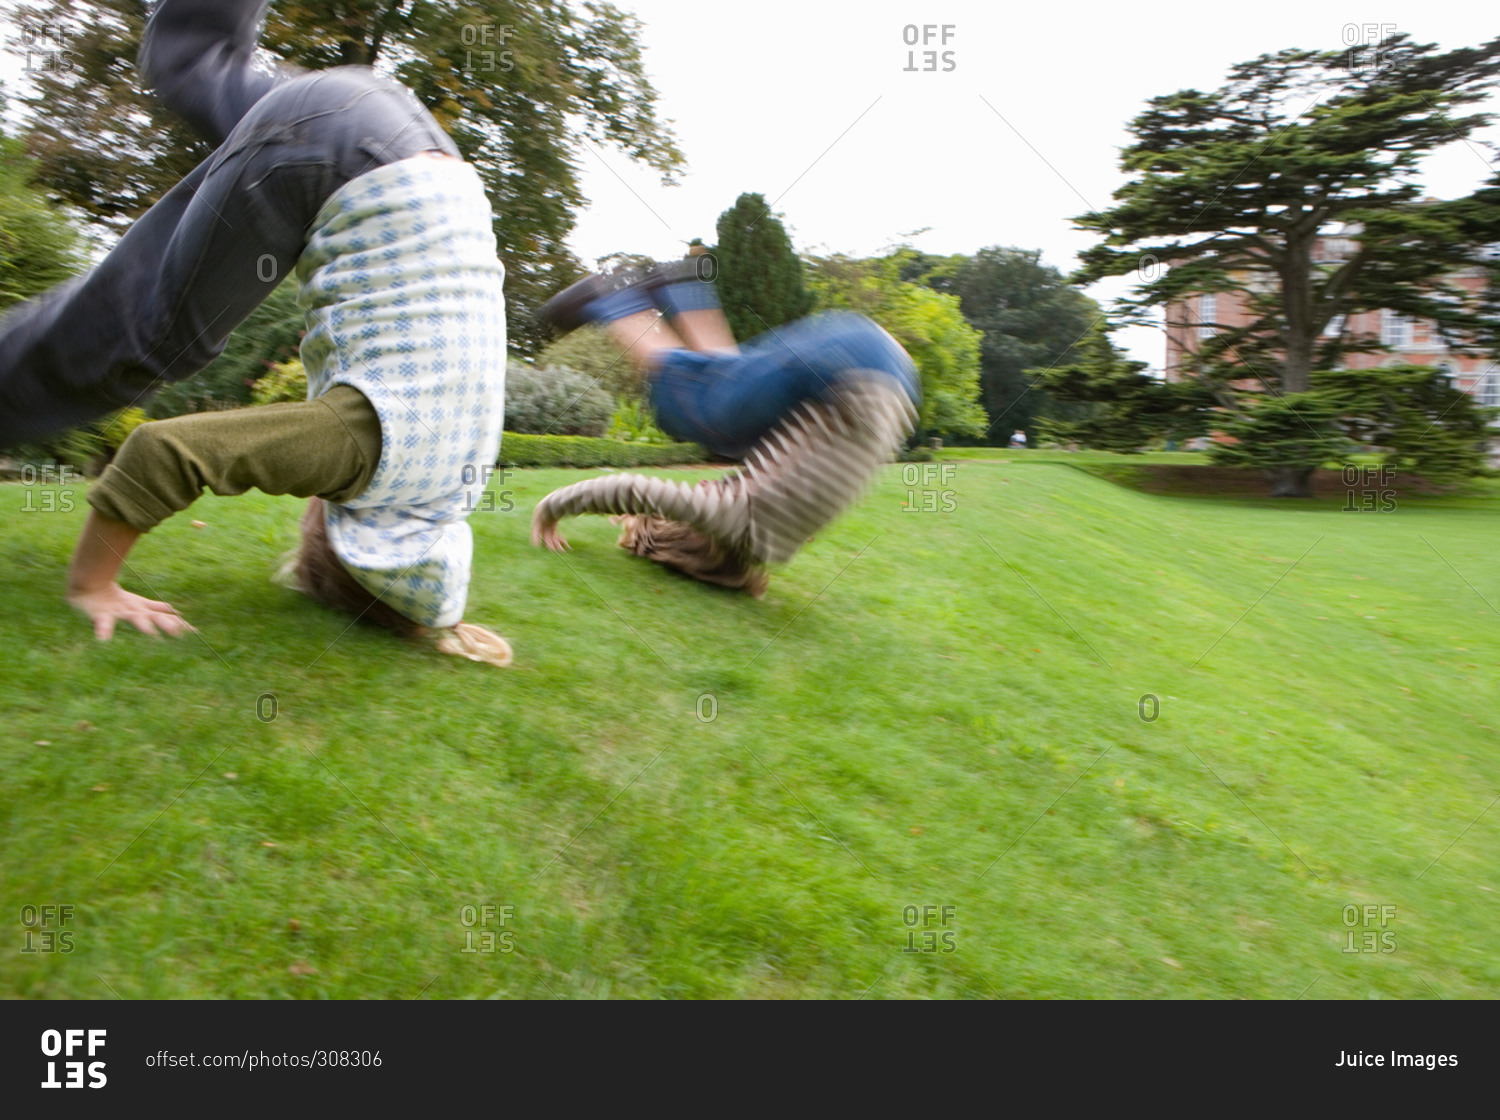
[[549, 535], [113, 603]]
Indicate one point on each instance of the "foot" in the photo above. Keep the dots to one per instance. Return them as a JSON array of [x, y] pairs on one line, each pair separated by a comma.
[[572, 307]]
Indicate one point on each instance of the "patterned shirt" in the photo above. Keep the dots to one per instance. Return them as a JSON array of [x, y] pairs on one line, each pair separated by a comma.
[[403, 297]]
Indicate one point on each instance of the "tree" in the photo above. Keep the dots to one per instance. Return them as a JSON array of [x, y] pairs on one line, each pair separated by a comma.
[[1032, 318], [1118, 406], [522, 86], [1232, 188], [1415, 415], [929, 324], [760, 276], [39, 247]]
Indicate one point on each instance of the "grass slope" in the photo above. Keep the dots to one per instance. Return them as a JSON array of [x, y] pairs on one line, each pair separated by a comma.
[[682, 792]]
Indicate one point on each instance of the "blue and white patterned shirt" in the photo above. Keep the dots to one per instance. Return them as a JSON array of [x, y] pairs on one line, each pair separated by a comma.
[[402, 291]]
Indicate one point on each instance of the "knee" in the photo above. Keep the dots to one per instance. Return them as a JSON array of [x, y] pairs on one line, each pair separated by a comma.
[[859, 343]]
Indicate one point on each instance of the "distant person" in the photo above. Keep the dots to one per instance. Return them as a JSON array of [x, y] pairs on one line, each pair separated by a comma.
[[1018, 438]]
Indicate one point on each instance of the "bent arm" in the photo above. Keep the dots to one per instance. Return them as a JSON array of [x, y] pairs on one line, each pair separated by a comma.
[[327, 447], [199, 57]]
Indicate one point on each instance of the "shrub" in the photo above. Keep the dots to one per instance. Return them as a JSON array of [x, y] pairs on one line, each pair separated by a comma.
[[556, 402], [591, 352], [88, 447], [632, 423], [287, 381], [520, 450]]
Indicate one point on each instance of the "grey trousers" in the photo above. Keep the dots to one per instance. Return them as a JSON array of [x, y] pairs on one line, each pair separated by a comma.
[[162, 304]]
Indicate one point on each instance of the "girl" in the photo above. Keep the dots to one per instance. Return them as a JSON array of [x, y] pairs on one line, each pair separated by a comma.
[[344, 177], [813, 409]]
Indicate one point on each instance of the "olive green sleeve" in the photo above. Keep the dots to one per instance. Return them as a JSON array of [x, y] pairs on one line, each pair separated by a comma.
[[328, 448]]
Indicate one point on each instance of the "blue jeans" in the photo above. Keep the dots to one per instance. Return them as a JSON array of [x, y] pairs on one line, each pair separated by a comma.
[[162, 304], [728, 401]]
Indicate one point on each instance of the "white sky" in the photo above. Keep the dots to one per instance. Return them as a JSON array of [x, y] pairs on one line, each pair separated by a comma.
[[808, 103]]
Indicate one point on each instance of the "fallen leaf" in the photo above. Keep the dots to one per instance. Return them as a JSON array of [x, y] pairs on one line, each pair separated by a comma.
[[1170, 961], [231, 775], [102, 787], [44, 742], [200, 524], [303, 968], [83, 725], [293, 924], [268, 844], [915, 831]]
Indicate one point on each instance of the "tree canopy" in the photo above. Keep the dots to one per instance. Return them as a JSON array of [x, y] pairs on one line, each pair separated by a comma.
[[524, 87], [1231, 189], [1031, 319], [927, 323], [759, 273]]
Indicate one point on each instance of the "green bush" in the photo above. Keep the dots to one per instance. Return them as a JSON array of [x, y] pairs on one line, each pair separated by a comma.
[[287, 381], [270, 334], [518, 449], [633, 423], [88, 447], [556, 402]]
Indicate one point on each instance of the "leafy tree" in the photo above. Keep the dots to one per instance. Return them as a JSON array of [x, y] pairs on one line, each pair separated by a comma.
[[1120, 407], [1232, 188], [760, 276], [1419, 419], [522, 86], [1293, 432], [39, 247], [1032, 319], [927, 323]]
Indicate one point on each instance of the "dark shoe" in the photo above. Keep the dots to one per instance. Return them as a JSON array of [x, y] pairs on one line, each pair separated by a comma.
[[567, 310]]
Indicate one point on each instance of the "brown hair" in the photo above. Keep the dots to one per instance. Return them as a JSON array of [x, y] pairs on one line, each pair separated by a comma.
[[686, 550], [316, 571]]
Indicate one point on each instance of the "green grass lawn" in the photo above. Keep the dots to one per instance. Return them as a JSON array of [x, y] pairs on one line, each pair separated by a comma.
[[682, 792]]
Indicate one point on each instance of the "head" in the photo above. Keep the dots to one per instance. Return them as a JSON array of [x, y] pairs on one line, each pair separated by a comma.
[[316, 571]]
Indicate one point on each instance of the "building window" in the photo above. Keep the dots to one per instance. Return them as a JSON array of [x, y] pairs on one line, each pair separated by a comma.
[[1334, 328], [1395, 329], [1488, 390], [1208, 312]]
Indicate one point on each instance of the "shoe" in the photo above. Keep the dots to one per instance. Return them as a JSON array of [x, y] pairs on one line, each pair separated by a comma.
[[568, 310]]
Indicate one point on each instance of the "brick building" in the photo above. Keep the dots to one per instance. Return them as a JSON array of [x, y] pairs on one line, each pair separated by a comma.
[[1415, 341]]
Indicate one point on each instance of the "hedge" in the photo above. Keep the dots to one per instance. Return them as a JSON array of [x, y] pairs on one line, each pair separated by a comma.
[[517, 450]]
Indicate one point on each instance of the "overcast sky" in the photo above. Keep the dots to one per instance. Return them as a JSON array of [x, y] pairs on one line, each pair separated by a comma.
[[811, 104]]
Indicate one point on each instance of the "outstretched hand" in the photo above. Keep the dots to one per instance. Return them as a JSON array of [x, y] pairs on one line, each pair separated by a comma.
[[113, 603], [547, 533]]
